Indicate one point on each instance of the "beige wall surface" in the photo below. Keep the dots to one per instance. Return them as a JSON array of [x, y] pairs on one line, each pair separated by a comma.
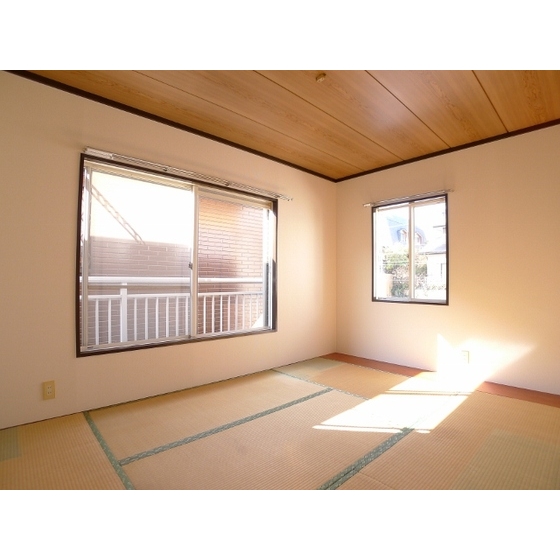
[[504, 242], [42, 133]]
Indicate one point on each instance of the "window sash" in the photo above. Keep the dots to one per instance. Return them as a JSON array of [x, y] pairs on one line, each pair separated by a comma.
[[407, 263], [196, 300]]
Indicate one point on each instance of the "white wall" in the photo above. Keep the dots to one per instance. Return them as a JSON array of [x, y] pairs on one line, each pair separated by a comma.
[[504, 272], [42, 133], [504, 247]]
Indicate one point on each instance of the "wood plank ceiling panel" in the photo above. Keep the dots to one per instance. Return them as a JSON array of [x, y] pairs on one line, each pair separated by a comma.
[[523, 98], [257, 98], [150, 95], [451, 103], [352, 122], [362, 103]]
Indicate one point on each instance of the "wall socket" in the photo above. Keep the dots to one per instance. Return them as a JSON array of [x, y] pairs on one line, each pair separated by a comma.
[[465, 357], [48, 390]]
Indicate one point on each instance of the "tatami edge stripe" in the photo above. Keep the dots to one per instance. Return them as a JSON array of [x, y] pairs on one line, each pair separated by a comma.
[[112, 459], [354, 468], [217, 430], [293, 376]]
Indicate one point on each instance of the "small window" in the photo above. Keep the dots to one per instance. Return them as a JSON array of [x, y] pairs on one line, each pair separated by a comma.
[[406, 271], [163, 259]]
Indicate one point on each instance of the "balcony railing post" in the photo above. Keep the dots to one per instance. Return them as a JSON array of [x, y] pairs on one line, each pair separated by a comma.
[[124, 313], [146, 318]]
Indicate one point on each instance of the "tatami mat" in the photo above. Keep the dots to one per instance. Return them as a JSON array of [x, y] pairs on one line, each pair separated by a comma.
[[344, 377], [484, 440], [315, 424], [309, 368], [58, 454], [284, 450], [134, 427], [511, 462], [363, 482]]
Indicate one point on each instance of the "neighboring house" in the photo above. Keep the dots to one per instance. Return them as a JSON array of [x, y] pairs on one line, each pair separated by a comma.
[[398, 230], [430, 250], [436, 263]]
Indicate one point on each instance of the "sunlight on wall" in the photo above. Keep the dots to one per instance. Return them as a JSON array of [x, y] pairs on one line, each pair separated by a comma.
[[425, 400], [486, 357]]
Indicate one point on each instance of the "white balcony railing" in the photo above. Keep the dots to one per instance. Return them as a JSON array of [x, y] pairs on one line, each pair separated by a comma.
[[133, 313]]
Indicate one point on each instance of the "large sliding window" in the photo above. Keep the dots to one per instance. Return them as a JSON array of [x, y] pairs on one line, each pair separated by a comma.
[[410, 260], [164, 259]]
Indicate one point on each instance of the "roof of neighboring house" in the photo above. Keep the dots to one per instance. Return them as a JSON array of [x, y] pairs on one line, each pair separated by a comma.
[[435, 247], [397, 224]]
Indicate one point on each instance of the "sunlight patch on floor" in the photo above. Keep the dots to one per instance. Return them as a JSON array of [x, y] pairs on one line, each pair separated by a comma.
[[420, 402]]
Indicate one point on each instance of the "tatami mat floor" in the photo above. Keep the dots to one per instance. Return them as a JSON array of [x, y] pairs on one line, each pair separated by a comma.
[[318, 424]]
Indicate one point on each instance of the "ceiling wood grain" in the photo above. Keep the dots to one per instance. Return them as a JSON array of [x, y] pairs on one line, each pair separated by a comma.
[[364, 105], [255, 97], [452, 104], [523, 98], [349, 123]]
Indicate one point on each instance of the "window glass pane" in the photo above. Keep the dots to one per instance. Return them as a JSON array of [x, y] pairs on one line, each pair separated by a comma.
[[163, 259], [139, 250], [430, 251], [411, 232], [233, 266], [391, 252]]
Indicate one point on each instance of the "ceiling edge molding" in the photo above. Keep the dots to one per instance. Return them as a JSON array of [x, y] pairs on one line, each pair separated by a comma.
[[116, 105], [451, 150]]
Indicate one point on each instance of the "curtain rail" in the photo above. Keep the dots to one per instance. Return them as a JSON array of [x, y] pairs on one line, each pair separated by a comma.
[[148, 165], [407, 198]]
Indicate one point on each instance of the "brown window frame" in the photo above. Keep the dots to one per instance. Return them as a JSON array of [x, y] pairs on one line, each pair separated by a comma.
[[87, 345]]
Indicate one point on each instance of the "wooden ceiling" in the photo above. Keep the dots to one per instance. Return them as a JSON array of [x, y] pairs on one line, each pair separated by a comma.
[[336, 124]]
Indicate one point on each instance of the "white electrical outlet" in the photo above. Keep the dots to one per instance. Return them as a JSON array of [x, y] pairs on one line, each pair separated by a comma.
[[465, 357], [48, 390]]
